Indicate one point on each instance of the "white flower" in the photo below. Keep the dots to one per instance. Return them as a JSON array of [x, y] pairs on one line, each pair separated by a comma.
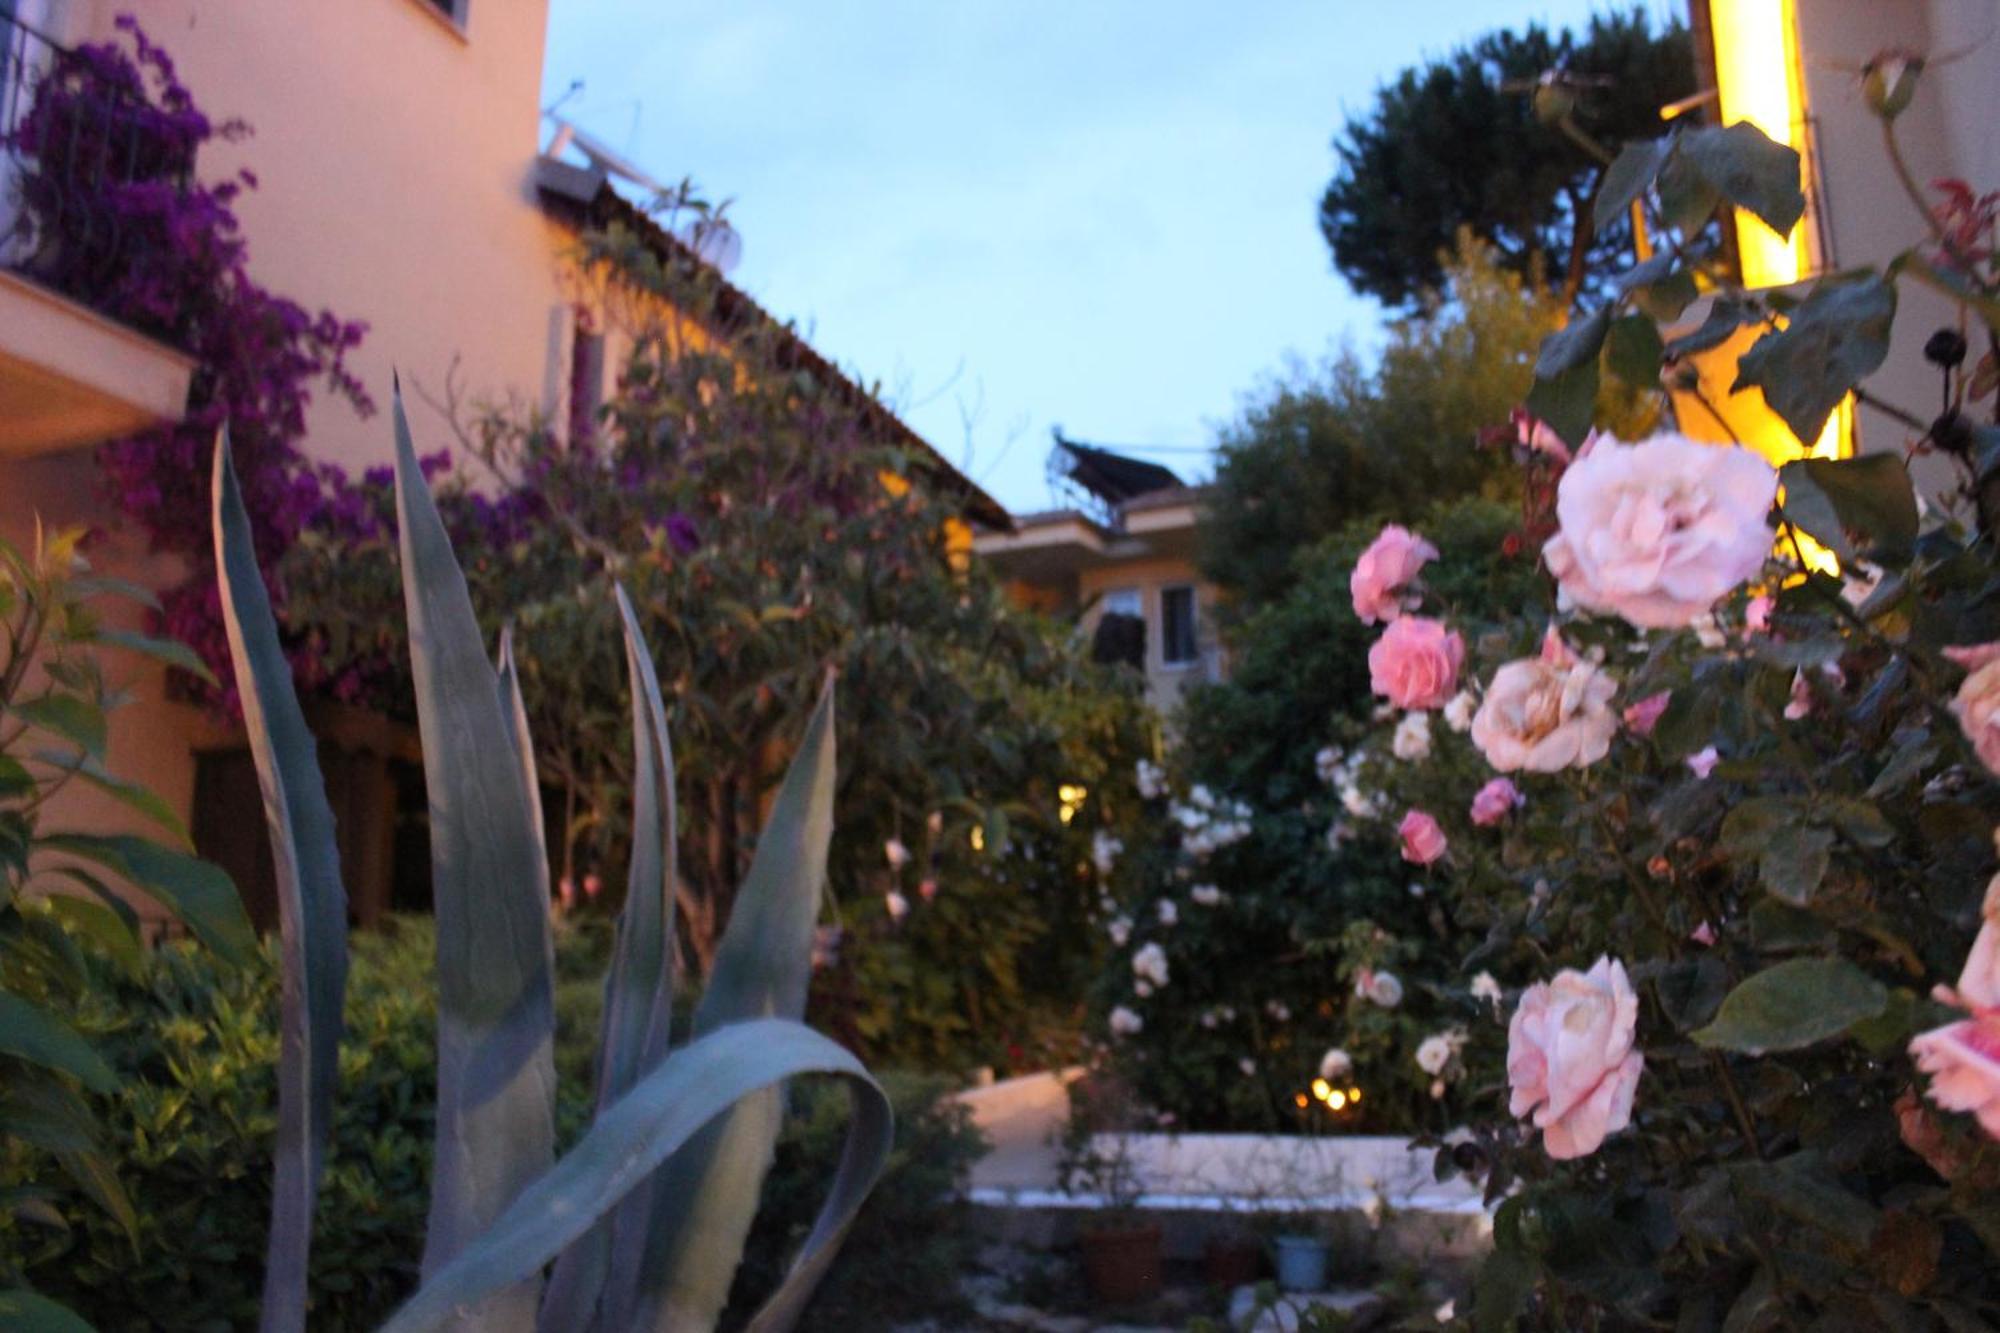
[[1125, 1023], [1335, 1065], [1356, 802], [1486, 987], [1202, 796], [1374, 1208], [1104, 851], [1169, 913], [896, 853], [1412, 740], [1278, 1010], [1436, 1051], [1248, 1066], [1327, 763], [1210, 1018], [1119, 928], [898, 905], [1338, 832], [1447, 1312], [1152, 780], [1205, 895], [1458, 711], [1384, 989], [1150, 963], [1143, 989]]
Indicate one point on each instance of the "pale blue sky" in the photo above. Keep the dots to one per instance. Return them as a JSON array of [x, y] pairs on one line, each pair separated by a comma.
[[1021, 212]]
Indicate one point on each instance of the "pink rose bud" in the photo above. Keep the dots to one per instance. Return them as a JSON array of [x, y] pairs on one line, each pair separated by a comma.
[[1571, 1062], [1495, 801], [1800, 705], [1423, 839], [1415, 663], [1704, 935], [1391, 561], [1642, 717], [592, 886], [927, 890], [1703, 761]]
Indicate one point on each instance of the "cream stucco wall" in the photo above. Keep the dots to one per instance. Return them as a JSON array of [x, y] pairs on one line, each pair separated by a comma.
[[393, 153], [1949, 129]]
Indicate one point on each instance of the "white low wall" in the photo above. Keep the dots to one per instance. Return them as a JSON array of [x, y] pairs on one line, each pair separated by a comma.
[[1024, 1119]]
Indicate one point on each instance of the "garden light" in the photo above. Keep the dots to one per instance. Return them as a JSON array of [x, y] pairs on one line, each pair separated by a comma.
[[1071, 795]]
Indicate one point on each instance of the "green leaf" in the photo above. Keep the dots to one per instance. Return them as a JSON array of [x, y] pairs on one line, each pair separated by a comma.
[[1628, 177], [139, 799], [29, 1032], [1634, 350], [199, 893], [1794, 1005], [1751, 823], [1502, 1290], [1665, 299], [1687, 200], [1573, 344], [75, 719], [1835, 339], [1801, 1188], [312, 905], [496, 1017], [48, 1115], [1567, 402], [170, 651], [705, 1199], [1870, 495], [1949, 282], [1725, 316], [25, 1312], [638, 989], [1794, 862], [646, 1127], [1916, 753], [1749, 169], [95, 921]]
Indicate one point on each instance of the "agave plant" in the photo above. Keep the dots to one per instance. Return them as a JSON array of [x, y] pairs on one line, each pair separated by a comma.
[[641, 1225]]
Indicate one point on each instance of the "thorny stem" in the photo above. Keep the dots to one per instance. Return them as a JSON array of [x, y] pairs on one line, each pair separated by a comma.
[[1909, 183]]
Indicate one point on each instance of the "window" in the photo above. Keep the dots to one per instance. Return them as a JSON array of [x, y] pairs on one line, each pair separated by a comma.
[[586, 378], [1179, 643], [451, 9], [1121, 630]]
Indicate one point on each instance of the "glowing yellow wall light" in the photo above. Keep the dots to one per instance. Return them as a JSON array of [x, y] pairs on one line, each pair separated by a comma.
[[1758, 79]]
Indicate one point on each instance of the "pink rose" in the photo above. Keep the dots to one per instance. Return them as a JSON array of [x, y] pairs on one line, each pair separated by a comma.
[[1546, 713], [1642, 717], [1657, 531], [1703, 761], [1571, 1060], [1391, 561], [1977, 704], [1757, 615], [1963, 1060], [1704, 935], [1415, 663], [1800, 704], [1495, 801], [1423, 840]]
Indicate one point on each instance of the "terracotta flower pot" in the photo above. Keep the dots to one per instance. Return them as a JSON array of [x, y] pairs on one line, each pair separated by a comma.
[[1231, 1263], [1122, 1264]]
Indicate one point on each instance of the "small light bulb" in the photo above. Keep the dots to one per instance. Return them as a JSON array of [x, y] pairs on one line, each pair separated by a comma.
[[1338, 1100], [1354, 1094], [1301, 1100], [1322, 1089]]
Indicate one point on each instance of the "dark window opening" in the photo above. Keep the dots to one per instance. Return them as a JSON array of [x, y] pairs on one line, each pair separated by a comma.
[[1179, 642], [586, 379]]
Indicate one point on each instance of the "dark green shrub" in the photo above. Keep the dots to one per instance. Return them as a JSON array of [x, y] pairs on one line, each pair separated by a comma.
[[195, 1044]]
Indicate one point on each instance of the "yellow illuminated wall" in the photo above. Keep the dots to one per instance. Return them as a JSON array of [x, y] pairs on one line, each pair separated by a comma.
[[1759, 78]]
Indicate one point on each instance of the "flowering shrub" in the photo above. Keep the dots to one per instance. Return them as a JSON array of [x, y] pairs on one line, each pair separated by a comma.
[[1732, 900], [129, 229]]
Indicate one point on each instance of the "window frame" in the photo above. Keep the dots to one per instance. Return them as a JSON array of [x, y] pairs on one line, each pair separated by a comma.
[[1167, 637]]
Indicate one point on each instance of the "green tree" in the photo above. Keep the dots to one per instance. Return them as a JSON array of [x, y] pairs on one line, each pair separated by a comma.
[[1316, 450], [1463, 141]]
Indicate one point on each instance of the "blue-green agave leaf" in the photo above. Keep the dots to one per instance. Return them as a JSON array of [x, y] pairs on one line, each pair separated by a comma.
[[489, 881], [644, 1128], [638, 993], [312, 905], [706, 1197]]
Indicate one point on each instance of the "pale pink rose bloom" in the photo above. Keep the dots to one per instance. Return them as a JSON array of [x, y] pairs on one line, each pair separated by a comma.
[[1423, 839], [1977, 707], [1415, 663], [1963, 1060], [1543, 716], [1493, 802], [1704, 935], [1391, 561], [1657, 531], [1972, 656], [1757, 615], [1642, 717], [1571, 1061], [1703, 761], [1800, 705]]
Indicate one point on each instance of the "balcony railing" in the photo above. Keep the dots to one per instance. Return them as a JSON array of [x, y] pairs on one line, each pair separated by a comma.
[[76, 151]]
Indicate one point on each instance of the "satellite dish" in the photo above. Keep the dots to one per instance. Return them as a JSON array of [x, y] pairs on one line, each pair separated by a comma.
[[718, 244]]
